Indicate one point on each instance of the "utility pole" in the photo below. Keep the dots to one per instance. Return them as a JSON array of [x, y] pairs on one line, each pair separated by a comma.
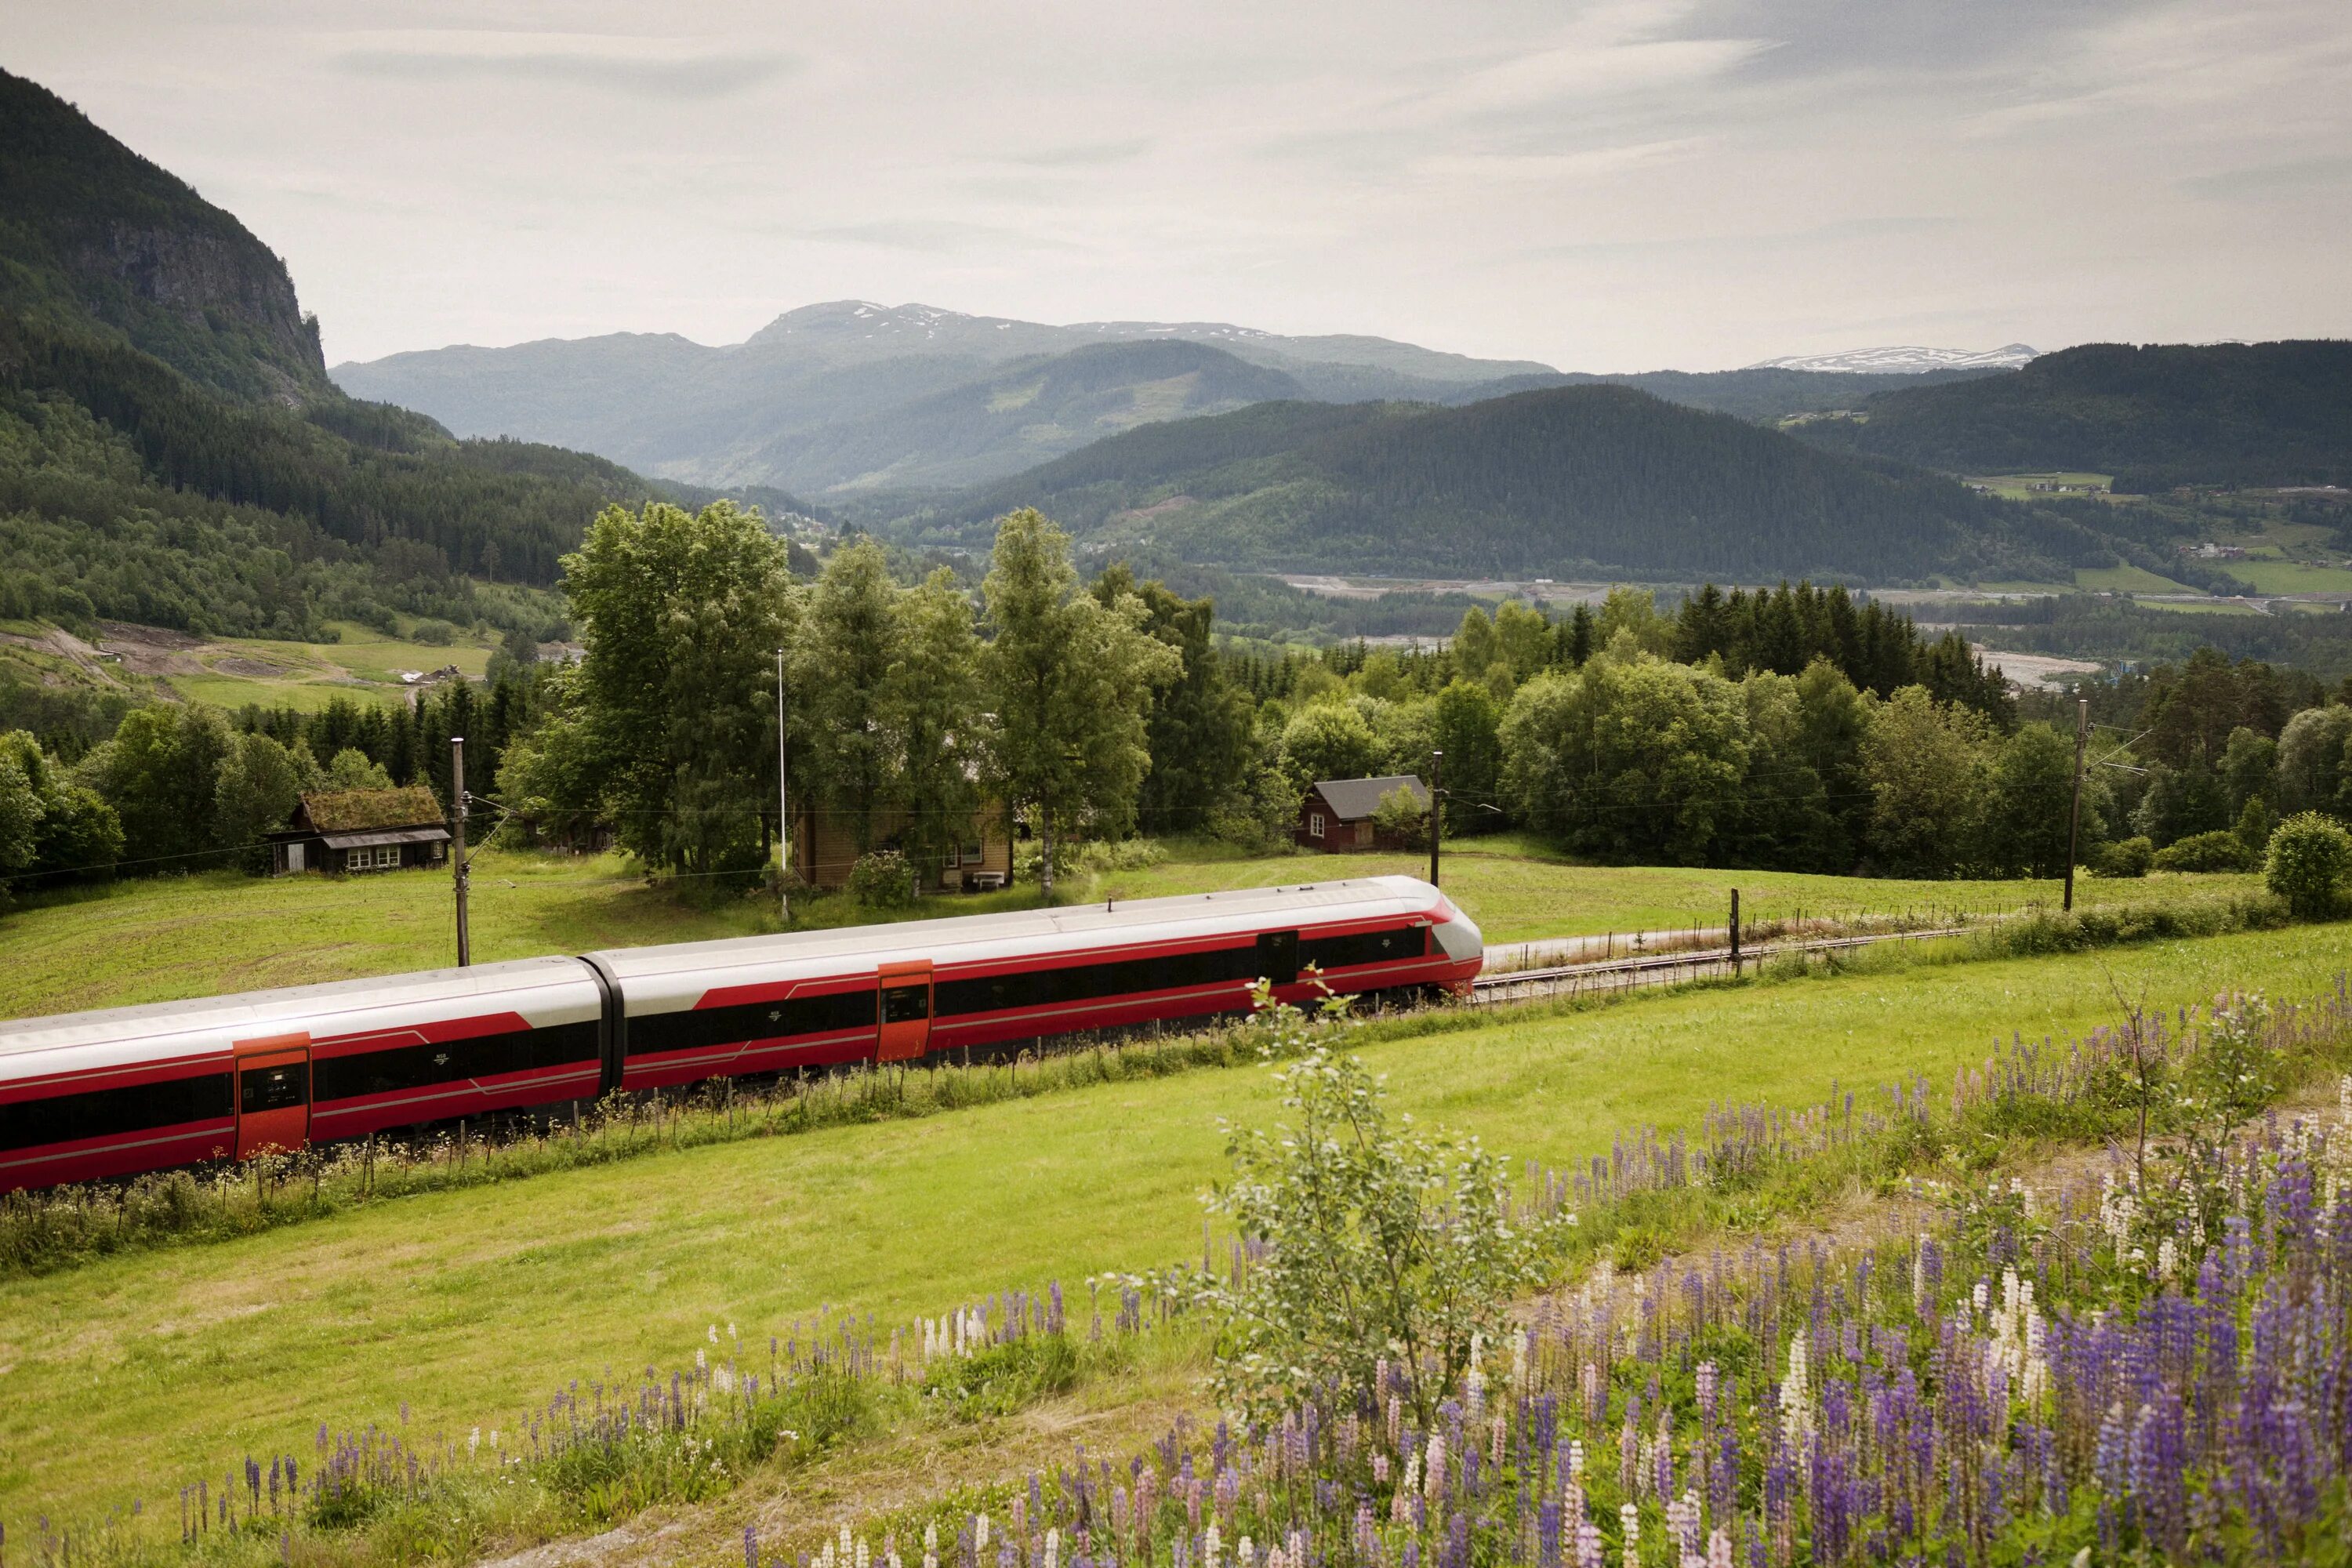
[[1735, 932], [1436, 813], [783, 804], [457, 857], [2074, 814]]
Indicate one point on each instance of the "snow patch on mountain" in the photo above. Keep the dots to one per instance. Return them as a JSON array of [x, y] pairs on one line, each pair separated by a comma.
[[1908, 359]]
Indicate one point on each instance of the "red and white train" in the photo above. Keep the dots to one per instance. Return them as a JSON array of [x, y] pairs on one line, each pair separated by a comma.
[[111, 1093]]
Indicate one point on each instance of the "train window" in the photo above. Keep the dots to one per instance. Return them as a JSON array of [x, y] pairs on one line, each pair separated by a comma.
[[1277, 956], [135, 1108], [653, 1033], [485, 1056], [1366, 947], [273, 1089], [906, 1003]]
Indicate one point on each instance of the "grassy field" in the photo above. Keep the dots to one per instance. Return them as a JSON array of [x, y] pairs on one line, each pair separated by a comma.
[[157, 939], [2126, 580], [133, 1375], [2292, 576], [2022, 487], [364, 665], [2195, 608], [1517, 893]]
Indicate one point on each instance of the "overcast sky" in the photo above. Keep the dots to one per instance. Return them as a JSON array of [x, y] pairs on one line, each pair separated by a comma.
[[1612, 186]]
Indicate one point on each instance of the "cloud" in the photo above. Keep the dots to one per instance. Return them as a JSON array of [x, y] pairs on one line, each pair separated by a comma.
[[652, 68], [2295, 177], [1781, 240], [1083, 155], [1831, 38], [935, 236]]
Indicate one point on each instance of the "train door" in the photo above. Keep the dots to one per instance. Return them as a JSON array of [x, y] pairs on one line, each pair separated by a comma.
[[1277, 956], [273, 1094], [906, 1011]]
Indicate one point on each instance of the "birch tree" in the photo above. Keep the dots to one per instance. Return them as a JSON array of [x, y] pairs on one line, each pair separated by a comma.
[[1070, 681]]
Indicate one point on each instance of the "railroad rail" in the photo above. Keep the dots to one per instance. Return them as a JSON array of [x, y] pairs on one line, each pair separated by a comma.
[[1669, 968]]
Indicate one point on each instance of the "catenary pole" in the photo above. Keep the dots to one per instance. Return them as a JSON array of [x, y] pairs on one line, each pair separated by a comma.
[[1437, 814], [2074, 813], [784, 809], [458, 855]]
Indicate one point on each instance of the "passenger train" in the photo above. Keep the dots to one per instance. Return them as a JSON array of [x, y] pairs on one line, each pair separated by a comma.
[[128, 1089]]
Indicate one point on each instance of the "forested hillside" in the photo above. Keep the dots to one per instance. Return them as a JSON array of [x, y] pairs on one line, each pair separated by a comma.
[[1566, 481], [2155, 416], [93, 235], [171, 451]]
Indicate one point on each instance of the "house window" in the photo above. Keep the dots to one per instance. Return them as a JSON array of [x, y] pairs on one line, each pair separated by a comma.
[[972, 854], [388, 858], [1315, 824]]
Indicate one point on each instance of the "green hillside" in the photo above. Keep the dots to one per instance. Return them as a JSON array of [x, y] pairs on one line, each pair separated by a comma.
[[2155, 416], [93, 235], [1561, 482], [171, 451]]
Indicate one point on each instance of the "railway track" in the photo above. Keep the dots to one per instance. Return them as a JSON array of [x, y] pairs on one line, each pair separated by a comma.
[[1669, 968]]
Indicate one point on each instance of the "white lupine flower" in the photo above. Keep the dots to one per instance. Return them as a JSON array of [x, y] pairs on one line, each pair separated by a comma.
[[1054, 1549], [1796, 1399]]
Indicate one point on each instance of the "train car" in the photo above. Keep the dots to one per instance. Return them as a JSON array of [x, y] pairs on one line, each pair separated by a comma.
[[138, 1088], [895, 993], [173, 1083]]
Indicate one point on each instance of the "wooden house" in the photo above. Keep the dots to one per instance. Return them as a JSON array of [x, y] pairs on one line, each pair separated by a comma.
[[355, 830], [825, 849], [1337, 814]]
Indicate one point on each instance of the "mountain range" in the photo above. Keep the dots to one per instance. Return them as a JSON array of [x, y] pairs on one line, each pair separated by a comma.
[[173, 452], [850, 398]]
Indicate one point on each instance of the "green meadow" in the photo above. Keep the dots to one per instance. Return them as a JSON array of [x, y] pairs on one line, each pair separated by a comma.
[[133, 1375]]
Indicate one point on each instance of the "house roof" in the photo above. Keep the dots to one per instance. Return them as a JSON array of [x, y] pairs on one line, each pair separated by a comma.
[[1354, 798], [365, 810]]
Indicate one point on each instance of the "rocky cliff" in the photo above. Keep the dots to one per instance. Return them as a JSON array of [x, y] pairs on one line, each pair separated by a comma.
[[92, 234]]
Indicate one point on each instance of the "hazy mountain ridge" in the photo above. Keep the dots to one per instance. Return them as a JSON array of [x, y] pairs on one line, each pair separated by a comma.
[[848, 396], [1561, 482]]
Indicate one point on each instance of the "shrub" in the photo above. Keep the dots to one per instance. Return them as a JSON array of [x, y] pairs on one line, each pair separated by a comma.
[[2124, 857], [1384, 1251], [432, 633], [2221, 851], [2310, 855], [882, 880]]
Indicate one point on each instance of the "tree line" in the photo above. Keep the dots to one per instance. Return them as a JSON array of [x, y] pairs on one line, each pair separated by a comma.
[[1782, 728]]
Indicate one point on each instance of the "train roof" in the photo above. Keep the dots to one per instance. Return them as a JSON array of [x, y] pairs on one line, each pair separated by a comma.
[[1073, 927], [203, 1018]]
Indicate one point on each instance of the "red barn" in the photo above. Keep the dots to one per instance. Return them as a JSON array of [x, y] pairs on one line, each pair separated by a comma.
[[1338, 813]]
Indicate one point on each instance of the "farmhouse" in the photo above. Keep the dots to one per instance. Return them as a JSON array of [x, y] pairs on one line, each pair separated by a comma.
[[362, 830], [825, 849], [1338, 813]]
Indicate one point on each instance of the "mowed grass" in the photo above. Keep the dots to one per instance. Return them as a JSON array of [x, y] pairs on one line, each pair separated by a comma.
[[133, 1375], [165, 938], [1517, 893], [162, 939]]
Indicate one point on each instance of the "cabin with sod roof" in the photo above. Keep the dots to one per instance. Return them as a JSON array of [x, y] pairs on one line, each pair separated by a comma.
[[1338, 813], [348, 830]]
